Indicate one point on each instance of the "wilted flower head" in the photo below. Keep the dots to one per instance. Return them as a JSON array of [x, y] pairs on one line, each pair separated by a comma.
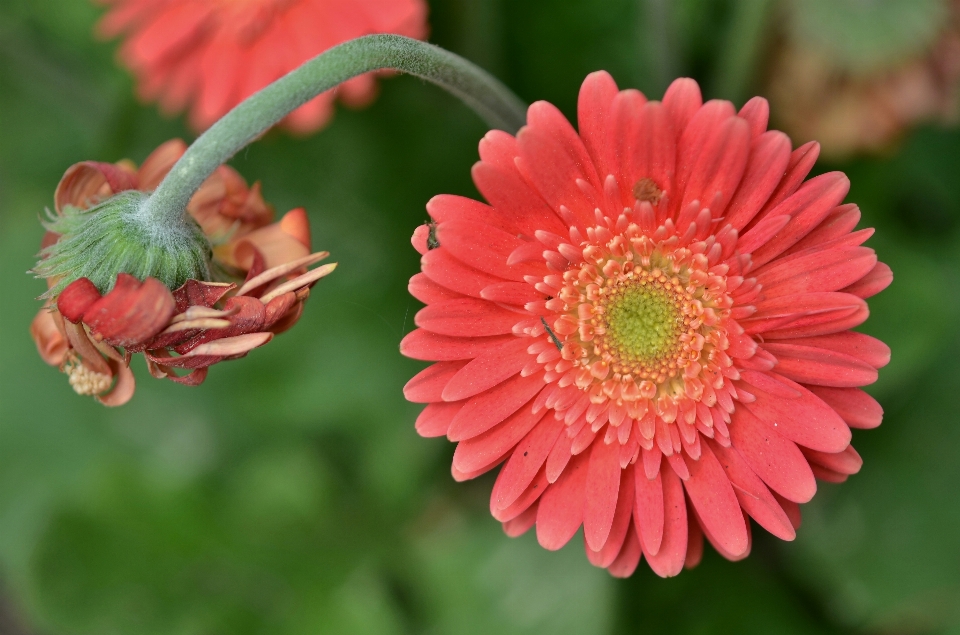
[[209, 55], [90, 331], [648, 325]]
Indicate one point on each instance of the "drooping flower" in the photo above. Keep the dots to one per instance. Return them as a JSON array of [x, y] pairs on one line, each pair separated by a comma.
[[91, 335], [209, 55], [648, 326]]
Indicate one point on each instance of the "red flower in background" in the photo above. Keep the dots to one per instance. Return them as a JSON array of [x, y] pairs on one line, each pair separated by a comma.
[[91, 337], [209, 55], [649, 325]]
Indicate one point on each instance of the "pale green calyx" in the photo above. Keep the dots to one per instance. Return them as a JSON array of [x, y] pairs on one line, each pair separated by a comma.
[[118, 236]]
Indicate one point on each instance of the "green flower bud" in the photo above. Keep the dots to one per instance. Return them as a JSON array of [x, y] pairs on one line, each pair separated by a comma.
[[118, 235]]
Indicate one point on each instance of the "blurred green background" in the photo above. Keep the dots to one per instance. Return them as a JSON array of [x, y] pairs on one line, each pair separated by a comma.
[[290, 493]]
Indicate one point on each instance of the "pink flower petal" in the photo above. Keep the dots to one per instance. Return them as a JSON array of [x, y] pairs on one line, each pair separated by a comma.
[[719, 167], [856, 407], [820, 366], [516, 293], [593, 113], [668, 561], [427, 291], [603, 486], [809, 205], [466, 318], [773, 458], [873, 283], [648, 514], [846, 462], [754, 497], [757, 113], [769, 156], [621, 525], [440, 266], [521, 524], [434, 420], [799, 166], [496, 442], [628, 558], [561, 506], [682, 100], [490, 257], [529, 497], [488, 370], [716, 503], [483, 411], [427, 385], [424, 345]]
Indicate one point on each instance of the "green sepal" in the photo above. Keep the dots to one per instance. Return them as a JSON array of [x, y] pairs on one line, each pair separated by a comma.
[[117, 236]]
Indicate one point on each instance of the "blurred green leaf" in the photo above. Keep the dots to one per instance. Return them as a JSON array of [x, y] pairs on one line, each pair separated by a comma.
[[867, 35]]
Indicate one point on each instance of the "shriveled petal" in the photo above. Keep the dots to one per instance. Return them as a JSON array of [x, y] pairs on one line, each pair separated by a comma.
[[123, 386], [199, 293], [50, 340], [86, 184], [158, 163], [76, 298], [279, 243], [132, 312], [280, 271]]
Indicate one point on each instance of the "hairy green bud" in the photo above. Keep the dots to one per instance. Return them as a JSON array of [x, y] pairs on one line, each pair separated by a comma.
[[118, 236]]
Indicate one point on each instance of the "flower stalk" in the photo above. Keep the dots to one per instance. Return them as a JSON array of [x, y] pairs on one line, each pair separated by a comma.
[[153, 235], [479, 90]]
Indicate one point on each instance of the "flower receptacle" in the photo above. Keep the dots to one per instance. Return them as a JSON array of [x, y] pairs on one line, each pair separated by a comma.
[[119, 235]]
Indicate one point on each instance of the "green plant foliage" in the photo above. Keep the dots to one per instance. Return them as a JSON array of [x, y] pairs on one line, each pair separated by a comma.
[[290, 493]]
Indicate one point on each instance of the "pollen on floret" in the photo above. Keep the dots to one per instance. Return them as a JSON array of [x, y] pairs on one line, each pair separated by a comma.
[[83, 380]]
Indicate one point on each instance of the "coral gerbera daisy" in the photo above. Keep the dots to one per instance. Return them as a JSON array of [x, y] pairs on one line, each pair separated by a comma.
[[648, 325], [209, 55]]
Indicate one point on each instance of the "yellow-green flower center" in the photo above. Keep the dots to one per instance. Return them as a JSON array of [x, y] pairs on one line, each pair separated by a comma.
[[643, 323]]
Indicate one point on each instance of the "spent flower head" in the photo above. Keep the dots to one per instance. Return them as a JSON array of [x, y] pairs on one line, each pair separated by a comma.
[[121, 282]]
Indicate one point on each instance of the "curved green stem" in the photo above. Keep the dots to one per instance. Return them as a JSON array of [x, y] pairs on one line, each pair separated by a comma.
[[490, 99]]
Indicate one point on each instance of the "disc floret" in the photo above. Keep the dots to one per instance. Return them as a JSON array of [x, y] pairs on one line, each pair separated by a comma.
[[643, 327]]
